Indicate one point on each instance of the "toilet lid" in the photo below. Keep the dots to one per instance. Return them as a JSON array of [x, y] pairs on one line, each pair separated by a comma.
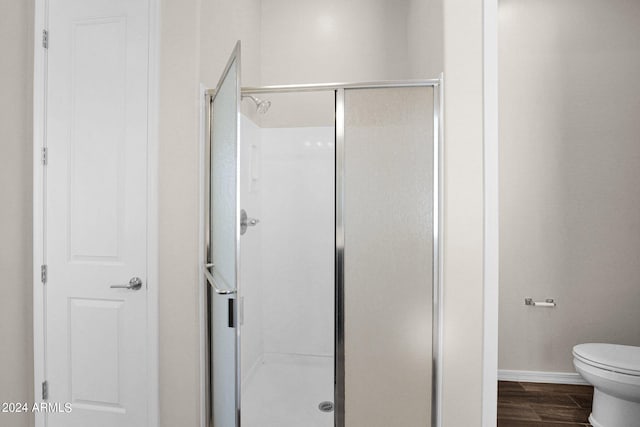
[[624, 359]]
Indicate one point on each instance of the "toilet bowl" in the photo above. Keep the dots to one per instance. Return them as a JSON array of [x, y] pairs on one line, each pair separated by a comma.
[[614, 372]]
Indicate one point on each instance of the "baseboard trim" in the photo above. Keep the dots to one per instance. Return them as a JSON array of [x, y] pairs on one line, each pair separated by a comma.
[[541, 377]]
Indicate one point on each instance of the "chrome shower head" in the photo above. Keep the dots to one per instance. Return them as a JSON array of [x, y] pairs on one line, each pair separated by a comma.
[[262, 105]]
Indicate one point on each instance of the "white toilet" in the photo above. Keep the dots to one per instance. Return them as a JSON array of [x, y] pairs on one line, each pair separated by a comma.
[[614, 372]]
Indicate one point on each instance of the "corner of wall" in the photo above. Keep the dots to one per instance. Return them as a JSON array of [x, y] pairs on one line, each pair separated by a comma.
[[463, 210]]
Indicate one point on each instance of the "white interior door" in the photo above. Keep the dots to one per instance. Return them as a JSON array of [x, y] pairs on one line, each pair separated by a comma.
[[222, 265], [96, 349]]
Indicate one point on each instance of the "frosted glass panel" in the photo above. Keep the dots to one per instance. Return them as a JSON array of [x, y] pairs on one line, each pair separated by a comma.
[[223, 245], [388, 256], [223, 181]]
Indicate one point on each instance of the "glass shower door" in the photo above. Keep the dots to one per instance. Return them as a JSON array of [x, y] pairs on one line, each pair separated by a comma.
[[221, 266]]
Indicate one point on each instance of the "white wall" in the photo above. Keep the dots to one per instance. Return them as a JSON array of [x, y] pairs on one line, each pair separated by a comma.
[[178, 210], [425, 38], [222, 23], [308, 41], [569, 162], [463, 213], [16, 187]]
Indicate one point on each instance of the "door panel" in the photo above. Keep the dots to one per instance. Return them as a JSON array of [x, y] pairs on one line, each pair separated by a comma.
[[95, 336], [96, 191], [224, 169], [95, 158], [222, 264]]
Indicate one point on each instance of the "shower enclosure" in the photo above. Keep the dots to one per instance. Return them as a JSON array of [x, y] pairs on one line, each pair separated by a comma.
[[323, 253]]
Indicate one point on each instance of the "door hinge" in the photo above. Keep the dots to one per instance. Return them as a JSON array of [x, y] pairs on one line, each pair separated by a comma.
[[45, 390], [44, 156], [45, 39], [43, 273]]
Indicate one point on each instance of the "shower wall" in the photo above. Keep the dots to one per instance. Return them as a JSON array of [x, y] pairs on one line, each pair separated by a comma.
[[287, 260], [298, 234], [251, 247]]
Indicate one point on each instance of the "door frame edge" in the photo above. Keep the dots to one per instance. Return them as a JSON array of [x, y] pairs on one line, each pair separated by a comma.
[[153, 232], [491, 214], [202, 285], [39, 88]]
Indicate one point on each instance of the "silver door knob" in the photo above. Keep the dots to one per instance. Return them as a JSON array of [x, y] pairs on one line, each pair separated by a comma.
[[134, 284]]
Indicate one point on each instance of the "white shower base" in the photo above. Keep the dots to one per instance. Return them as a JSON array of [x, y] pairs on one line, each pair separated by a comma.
[[285, 391]]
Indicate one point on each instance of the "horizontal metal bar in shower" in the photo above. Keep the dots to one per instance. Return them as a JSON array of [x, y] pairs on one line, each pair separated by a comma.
[[337, 86]]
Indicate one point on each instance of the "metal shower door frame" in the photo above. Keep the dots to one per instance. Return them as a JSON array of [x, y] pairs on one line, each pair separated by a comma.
[[437, 259], [212, 288]]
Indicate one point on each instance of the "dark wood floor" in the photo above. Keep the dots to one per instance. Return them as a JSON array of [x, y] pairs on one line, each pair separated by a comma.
[[543, 405]]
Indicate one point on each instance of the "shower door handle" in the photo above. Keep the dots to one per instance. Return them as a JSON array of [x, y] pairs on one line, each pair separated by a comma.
[[213, 284]]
